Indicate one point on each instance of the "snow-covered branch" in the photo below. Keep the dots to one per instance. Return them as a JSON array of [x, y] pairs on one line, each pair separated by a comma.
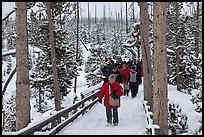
[[8, 15], [129, 45], [10, 52], [8, 80]]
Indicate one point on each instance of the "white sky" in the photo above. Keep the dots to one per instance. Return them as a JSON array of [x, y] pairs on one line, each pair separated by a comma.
[[131, 113], [114, 6]]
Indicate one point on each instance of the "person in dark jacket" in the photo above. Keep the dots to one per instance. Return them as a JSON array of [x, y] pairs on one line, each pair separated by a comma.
[[116, 72], [106, 70], [107, 89], [134, 81]]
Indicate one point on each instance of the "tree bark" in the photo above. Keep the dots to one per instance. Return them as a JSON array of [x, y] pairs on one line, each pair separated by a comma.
[[146, 55], [177, 52], [126, 19], [77, 45], [22, 68], [197, 32], [160, 106], [88, 18], [53, 58]]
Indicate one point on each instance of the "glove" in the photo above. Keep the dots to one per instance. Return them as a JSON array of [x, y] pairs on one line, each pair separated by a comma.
[[100, 101], [114, 92]]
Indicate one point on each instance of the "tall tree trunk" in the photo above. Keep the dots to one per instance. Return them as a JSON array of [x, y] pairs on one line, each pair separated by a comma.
[[177, 52], [53, 58], [95, 14], [22, 68], [77, 45], [88, 18], [121, 16], [146, 55], [133, 13], [126, 19], [160, 106], [104, 15], [197, 32]]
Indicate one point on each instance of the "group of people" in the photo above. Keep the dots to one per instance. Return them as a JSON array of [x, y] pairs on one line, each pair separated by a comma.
[[123, 77], [128, 74]]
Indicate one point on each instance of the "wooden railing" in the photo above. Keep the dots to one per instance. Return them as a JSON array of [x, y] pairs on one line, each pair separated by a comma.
[[75, 110], [152, 129]]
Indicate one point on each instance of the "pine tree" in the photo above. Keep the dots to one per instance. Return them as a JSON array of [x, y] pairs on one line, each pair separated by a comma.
[[65, 50], [188, 65], [93, 64], [177, 121], [10, 114]]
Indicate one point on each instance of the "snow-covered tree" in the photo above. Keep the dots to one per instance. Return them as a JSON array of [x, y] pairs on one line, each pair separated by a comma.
[[177, 121], [62, 12], [189, 64], [94, 64], [8, 41], [10, 114]]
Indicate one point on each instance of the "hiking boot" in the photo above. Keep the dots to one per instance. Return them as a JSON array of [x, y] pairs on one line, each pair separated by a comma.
[[109, 124], [115, 124]]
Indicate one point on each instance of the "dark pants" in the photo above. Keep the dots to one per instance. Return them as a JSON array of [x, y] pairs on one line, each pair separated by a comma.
[[109, 115], [126, 92], [134, 88]]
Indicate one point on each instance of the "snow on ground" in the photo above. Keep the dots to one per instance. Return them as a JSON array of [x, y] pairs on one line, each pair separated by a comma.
[[132, 120], [183, 100]]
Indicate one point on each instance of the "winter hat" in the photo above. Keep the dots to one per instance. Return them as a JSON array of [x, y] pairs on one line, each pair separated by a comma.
[[112, 76], [115, 66], [134, 67]]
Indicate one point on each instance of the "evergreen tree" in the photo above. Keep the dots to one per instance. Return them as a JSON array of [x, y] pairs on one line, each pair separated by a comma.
[[65, 49], [93, 64], [10, 114], [189, 63], [177, 121]]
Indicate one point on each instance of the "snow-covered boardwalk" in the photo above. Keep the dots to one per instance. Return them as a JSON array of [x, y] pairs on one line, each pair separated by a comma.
[[132, 120]]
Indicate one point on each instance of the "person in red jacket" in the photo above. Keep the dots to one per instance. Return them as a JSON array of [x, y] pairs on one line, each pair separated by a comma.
[[124, 73], [115, 89]]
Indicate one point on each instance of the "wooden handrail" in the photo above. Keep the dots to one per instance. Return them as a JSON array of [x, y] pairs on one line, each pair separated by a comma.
[[61, 113]]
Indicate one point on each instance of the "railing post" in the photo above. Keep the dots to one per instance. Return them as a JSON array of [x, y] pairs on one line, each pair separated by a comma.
[[157, 131], [151, 128], [13, 125], [3, 119], [54, 122]]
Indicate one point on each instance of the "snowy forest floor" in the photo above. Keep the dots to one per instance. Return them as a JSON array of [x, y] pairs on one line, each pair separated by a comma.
[[132, 120]]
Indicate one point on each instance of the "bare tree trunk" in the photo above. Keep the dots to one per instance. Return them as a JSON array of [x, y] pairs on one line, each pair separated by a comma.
[[146, 55], [160, 106], [197, 32], [126, 19], [95, 14], [104, 15], [77, 45], [121, 15], [53, 58], [22, 68], [177, 52], [88, 18]]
